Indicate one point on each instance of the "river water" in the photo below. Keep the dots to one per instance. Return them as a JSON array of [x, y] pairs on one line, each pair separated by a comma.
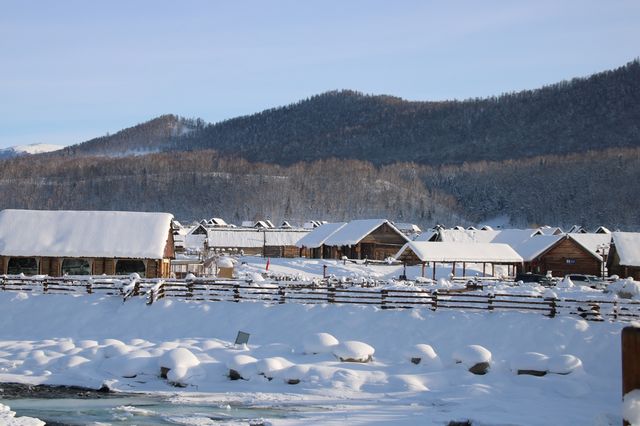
[[74, 408]]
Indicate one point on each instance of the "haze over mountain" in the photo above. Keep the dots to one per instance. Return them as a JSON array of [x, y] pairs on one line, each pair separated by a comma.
[[36, 148], [560, 154]]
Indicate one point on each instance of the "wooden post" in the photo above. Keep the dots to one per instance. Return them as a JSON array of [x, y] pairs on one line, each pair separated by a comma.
[[453, 269], [484, 267], [464, 269], [422, 269], [383, 297], [493, 270], [630, 364], [433, 272], [236, 293]]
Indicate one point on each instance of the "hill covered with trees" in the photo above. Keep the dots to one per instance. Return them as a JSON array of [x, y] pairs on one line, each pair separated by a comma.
[[563, 154]]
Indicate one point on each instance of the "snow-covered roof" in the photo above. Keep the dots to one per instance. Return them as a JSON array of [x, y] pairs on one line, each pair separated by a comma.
[[535, 246], [426, 235], [353, 232], [461, 252], [593, 242], [84, 233], [216, 221], [628, 247], [319, 235], [229, 238], [528, 243], [407, 228], [603, 230]]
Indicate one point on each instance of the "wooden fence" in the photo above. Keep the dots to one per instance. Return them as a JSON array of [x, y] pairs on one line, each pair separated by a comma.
[[325, 291]]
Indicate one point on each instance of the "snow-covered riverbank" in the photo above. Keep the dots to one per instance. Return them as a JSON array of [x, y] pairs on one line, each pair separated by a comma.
[[93, 340]]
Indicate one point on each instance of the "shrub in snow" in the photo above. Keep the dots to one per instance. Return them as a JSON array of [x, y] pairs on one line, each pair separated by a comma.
[[531, 363], [353, 351], [242, 367], [631, 407], [627, 288], [319, 343], [422, 353], [564, 364], [268, 366], [175, 364], [475, 357]]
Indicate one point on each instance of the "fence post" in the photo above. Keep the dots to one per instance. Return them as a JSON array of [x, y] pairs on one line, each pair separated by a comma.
[[490, 301], [282, 294], [189, 289], [331, 294], [89, 287], [236, 293], [615, 309], [45, 286], [434, 297], [383, 297], [151, 297], [552, 305], [630, 365]]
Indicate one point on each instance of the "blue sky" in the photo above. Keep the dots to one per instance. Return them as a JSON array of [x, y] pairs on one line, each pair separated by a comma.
[[73, 70]]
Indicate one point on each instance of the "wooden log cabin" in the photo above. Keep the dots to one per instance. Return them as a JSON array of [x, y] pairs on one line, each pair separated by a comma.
[[624, 255], [58, 243], [561, 255], [374, 239]]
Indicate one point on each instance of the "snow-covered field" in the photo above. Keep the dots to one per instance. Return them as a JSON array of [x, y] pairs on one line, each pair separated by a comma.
[[93, 340]]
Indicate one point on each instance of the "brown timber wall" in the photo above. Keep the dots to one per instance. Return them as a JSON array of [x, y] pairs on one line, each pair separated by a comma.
[[568, 257]]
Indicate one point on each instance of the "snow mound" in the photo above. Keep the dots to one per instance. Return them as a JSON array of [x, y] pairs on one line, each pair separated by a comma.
[[244, 367], [627, 288], [564, 364], [294, 374], [131, 364], [631, 407], [475, 357], [7, 418], [176, 364], [319, 343], [530, 362], [268, 366], [566, 283], [471, 355], [353, 351], [424, 354], [224, 262]]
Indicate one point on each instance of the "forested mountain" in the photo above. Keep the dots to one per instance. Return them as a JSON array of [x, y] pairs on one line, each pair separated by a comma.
[[153, 136], [564, 154], [598, 112]]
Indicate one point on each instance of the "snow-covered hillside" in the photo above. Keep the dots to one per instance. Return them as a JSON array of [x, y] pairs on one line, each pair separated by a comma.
[[36, 148]]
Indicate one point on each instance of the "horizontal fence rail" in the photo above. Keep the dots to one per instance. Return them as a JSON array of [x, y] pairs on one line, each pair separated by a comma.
[[324, 291]]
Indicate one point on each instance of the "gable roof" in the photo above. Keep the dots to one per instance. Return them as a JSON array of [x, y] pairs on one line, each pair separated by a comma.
[[461, 252], [628, 247], [319, 235], [353, 232], [593, 243], [84, 233]]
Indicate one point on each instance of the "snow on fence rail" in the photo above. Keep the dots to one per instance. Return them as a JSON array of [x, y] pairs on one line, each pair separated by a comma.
[[233, 290]]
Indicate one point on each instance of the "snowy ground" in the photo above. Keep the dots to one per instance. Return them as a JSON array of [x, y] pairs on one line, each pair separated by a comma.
[[92, 340]]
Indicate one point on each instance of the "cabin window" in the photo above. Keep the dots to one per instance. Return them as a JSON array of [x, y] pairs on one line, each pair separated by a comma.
[[76, 267], [22, 265], [129, 266]]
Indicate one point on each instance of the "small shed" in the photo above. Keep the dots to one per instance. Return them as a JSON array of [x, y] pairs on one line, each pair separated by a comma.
[[462, 254], [257, 241], [56, 243], [624, 255]]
